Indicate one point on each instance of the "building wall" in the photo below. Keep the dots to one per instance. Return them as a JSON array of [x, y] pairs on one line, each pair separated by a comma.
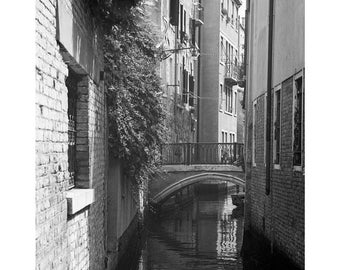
[[62, 241], [181, 118], [240, 116], [279, 216], [51, 143], [215, 119], [209, 103]]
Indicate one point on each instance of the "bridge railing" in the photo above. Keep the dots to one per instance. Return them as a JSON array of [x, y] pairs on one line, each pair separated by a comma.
[[202, 153]]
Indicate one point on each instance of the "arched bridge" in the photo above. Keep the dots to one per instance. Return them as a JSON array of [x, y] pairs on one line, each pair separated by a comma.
[[189, 163]]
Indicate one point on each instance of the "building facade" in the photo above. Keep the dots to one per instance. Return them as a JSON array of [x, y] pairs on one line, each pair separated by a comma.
[[220, 60], [275, 125], [178, 25], [85, 210]]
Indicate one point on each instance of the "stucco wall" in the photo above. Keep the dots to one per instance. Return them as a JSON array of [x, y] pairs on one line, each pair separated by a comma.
[[209, 73], [288, 41]]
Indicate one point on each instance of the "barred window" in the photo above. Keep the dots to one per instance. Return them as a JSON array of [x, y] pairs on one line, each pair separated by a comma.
[[71, 84], [297, 122], [277, 126], [254, 133]]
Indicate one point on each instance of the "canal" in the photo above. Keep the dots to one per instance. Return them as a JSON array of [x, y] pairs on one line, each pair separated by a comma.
[[197, 228]]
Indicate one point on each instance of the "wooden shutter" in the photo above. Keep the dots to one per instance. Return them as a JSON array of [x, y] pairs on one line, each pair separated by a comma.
[[174, 8]]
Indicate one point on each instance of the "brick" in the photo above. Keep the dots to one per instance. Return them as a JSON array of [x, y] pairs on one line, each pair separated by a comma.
[[285, 213]]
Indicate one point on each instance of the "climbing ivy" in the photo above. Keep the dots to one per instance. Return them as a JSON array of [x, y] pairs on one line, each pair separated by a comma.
[[135, 113]]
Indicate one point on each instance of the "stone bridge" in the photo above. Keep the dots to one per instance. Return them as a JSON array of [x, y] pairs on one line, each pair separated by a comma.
[[175, 177], [185, 164]]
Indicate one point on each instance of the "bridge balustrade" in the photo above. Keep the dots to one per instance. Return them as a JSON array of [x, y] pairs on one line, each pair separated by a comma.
[[202, 153]]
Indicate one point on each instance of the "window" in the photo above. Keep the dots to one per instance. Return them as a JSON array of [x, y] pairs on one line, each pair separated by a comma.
[[221, 96], [174, 4], [226, 51], [222, 136], [229, 99], [277, 126], [221, 50], [232, 13], [235, 106], [237, 22], [71, 84], [298, 121], [181, 23], [254, 134], [171, 75], [185, 22], [184, 82]]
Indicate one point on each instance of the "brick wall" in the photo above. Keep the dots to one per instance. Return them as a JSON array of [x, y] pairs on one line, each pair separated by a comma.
[[51, 143], [279, 216], [78, 241]]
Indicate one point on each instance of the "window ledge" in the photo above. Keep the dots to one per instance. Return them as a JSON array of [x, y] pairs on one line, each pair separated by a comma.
[[297, 168], [229, 113], [277, 167], [78, 199]]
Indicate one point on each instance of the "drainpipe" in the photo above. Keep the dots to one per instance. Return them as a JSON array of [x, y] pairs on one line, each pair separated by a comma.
[[198, 88], [245, 54], [269, 96], [269, 119], [175, 83]]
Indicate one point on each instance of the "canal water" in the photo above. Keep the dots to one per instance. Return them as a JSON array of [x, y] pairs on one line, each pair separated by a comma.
[[198, 228]]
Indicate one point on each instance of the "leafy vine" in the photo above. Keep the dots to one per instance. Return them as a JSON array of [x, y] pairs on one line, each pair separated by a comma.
[[135, 113]]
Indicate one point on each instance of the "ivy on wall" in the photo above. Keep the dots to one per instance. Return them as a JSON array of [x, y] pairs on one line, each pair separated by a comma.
[[135, 113]]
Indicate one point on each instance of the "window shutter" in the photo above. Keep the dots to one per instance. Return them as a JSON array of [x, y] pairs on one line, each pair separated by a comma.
[[191, 90], [174, 9]]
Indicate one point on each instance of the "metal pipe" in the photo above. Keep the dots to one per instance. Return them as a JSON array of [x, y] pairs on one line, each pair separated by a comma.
[[269, 96]]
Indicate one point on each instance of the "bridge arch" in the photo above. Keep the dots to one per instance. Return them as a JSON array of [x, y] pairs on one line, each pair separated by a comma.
[[181, 183]]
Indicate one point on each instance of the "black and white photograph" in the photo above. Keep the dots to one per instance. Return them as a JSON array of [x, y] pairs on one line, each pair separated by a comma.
[[170, 135]]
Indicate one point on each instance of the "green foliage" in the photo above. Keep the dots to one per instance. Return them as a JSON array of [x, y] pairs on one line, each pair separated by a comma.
[[135, 112]]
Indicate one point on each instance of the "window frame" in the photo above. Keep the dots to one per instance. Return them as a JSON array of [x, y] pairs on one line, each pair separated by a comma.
[[221, 96], [277, 165], [297, 76], [254, 108]]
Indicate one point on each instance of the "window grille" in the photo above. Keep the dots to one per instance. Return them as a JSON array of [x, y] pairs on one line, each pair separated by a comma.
[[277, 127], [71, 84], [297, 144]]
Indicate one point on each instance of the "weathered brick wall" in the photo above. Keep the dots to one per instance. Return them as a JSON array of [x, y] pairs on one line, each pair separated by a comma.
[[97, 139], [51, 143], [62, 242], [278, 216], [78, 241]]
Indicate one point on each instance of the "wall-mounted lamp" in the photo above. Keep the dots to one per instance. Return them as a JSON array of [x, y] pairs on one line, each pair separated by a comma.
[[166, 53]]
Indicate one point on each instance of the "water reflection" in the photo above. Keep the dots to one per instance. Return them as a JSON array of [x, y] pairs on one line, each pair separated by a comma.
[[204, 234]]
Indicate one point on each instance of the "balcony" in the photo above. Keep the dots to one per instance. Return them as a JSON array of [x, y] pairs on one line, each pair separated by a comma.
[[198, 14], [231, 73]]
